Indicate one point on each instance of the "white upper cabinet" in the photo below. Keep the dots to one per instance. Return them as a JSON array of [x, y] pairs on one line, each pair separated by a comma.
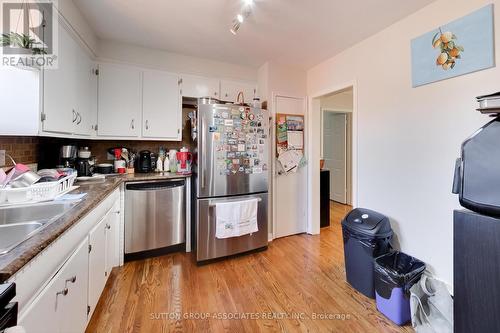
[[197, 86], [230, 89], [119, 101], [86, 106], [19, 101], [70, 91], [60, 88], [162, 106]]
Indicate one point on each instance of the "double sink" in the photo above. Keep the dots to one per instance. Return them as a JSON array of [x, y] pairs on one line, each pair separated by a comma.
[[19, 223]]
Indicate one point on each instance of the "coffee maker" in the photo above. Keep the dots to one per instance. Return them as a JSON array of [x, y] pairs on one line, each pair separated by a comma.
[[143, 162], [67, 156], [84, 164]]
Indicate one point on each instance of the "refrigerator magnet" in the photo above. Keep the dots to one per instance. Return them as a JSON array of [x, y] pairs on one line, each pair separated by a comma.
[[257, 170], [228, 122], [241, 147]]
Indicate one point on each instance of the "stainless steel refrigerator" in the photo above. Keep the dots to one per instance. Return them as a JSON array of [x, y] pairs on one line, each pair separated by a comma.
[[232, 165]]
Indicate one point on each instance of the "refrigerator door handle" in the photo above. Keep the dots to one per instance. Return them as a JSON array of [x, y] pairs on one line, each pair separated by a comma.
[[203, 151], [214, 203]]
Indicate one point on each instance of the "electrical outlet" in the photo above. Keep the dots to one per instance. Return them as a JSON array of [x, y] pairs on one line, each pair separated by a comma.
[[2, 158]]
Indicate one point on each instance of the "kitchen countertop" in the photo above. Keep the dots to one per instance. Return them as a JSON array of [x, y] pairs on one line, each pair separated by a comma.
[[96, 191]]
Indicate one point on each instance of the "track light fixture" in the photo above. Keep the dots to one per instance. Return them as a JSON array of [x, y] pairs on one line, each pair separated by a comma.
[[241, 17]]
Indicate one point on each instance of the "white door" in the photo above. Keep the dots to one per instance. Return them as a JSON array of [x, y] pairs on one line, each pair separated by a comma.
[[43, 314], [86, 95], [162, 106], [112, 238], [230, 89], [334, 153], [60, 88], [290, 191], [97, 264], [74, 304], [119, 101], [197, 86]]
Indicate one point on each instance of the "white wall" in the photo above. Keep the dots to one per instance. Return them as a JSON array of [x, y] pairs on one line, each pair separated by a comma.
[[173, 62], [408, 138], [72, 15]]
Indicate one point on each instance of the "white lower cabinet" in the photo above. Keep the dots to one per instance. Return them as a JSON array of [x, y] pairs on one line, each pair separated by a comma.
[[66, 301], [112, 239], [62, 304], [97, 263]]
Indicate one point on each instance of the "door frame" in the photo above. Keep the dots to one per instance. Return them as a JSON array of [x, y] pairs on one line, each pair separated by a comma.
[[347, 163], [313, 138], [272, 112]]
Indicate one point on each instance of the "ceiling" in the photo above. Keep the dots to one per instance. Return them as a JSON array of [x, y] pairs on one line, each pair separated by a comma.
[[301, 33]]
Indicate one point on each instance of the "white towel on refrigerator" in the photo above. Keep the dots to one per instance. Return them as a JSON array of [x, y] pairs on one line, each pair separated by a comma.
[[236, 218]]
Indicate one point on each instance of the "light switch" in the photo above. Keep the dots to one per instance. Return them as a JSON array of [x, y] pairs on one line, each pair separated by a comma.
[[2, 158]]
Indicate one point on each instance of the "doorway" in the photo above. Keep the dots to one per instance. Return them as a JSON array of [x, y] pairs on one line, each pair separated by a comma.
[[336, 144]]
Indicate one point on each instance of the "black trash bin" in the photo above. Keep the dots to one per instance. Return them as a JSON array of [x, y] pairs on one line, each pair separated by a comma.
[[367, 235]]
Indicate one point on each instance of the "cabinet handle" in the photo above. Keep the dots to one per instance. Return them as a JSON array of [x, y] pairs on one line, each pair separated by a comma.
[[215, 93], [75, 116], [79, 117], [108, 226], [132, 124], [71, 279], [63, 292], [147, 124]]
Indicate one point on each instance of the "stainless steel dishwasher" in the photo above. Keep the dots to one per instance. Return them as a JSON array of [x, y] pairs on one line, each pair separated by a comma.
[[155, 218]]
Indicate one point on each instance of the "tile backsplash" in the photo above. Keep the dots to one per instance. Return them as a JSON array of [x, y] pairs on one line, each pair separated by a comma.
[[22, 149]]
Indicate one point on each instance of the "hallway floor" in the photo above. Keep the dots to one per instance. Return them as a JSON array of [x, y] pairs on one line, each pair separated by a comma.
[[297, 285]]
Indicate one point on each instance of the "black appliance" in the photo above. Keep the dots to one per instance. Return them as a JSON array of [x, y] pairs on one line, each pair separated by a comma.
[[477, 171], [8, 309], [143, 162], [84, 168], [476, 268], [367, 235]]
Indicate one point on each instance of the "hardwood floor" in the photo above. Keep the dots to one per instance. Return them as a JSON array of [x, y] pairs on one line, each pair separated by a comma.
[[297, 285]]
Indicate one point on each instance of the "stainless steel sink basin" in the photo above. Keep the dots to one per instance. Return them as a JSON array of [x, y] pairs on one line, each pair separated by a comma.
[[19, 223]]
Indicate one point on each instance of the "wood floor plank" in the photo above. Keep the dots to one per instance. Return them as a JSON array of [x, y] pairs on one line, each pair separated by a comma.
[[283, 288]]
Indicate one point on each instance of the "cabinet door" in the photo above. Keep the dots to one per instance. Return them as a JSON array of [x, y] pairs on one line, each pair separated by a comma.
[[62, 304], [119, 101], [97, 264], [231, 89], [74, 305], [59, 88], [42, 315], [86, 95], [112, 238], [162, 109], [197, 86]]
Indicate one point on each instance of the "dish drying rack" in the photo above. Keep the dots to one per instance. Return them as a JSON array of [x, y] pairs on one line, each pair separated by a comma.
[[39, 192]]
